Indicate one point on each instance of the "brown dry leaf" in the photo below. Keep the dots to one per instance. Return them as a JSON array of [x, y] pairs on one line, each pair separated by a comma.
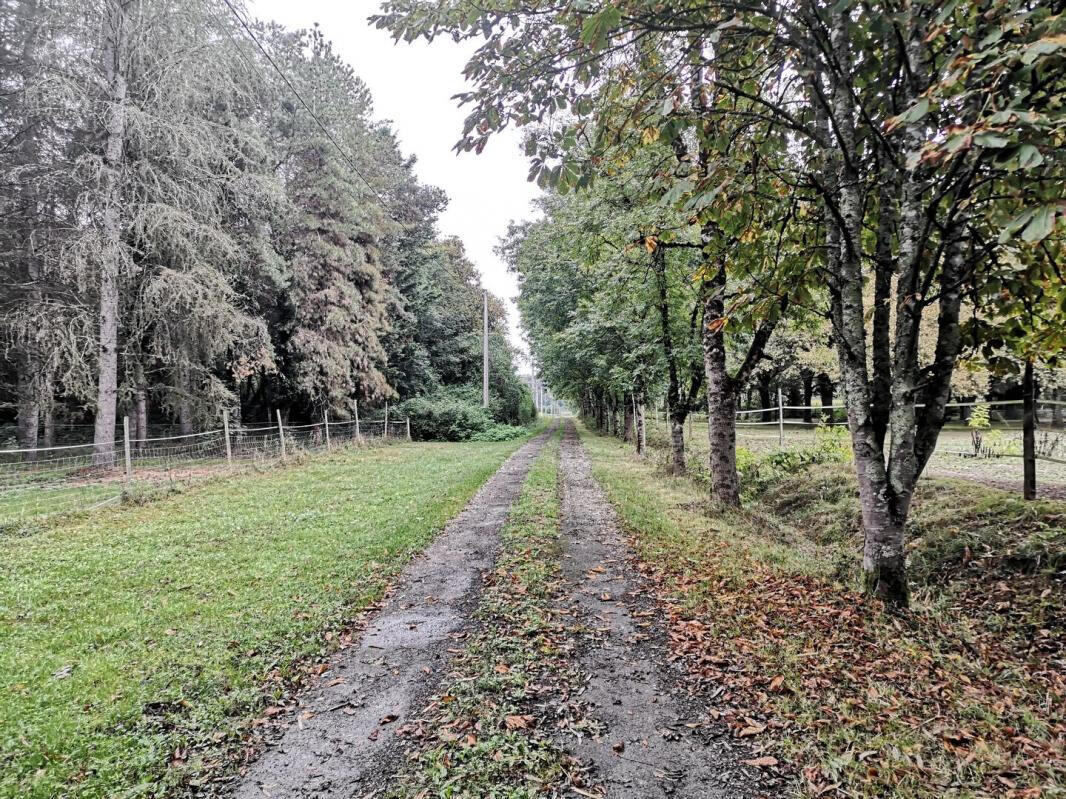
[[752, 729], [502, 668], [517, 722], [388, 719], [761, 762]]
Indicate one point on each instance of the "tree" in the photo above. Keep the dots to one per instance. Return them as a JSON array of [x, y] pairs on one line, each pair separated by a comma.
[[861, 106]]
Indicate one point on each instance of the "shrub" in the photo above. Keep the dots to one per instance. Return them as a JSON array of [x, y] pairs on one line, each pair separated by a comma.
[[757, 472], [499, 432], [442, 417]]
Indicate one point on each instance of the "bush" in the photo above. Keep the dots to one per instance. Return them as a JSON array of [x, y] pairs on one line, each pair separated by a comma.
[[442, 417], [499, 432], [757, 472]]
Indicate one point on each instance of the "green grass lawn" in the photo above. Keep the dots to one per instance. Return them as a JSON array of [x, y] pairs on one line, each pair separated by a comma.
[[135, 642]]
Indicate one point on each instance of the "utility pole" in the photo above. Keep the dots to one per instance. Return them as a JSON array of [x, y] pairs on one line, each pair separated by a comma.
[[485, 352]]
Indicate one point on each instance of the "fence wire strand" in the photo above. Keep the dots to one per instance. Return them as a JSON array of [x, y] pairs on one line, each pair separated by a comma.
[[35, 483]]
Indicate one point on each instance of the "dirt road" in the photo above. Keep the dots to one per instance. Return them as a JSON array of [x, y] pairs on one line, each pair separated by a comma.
[[652, 740]]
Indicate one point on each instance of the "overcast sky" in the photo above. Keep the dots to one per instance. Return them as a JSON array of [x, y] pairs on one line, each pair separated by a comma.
[[412, 86]]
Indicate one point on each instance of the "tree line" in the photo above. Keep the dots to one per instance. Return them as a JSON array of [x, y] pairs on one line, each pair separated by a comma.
[[872, 191], [200, 212]]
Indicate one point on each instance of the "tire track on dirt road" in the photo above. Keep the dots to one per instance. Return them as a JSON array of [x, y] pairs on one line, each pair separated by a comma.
[[655, 741], [341, 741]]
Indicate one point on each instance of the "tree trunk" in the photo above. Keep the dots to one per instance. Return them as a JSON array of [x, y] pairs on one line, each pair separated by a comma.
[[677, 445], [140, 414], [808, 394], [825, 395], [115, 56], [48, 424], [28, 409], [721, 398], [1029, 433], [795, 397], [764, 398], [883, 547], [185, 417], [627, 420], [25, 222], [641, 424]]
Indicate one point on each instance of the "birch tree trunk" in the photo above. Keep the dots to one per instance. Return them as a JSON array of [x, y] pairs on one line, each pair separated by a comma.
[[115, 58]]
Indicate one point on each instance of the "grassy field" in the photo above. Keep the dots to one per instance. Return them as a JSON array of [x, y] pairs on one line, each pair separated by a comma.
[[963, 696], [137, 642]]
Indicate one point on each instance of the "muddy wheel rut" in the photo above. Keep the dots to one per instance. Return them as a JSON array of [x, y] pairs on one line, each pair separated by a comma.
[[655, 740]]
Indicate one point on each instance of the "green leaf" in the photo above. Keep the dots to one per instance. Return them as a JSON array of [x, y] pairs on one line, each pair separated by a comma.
[[1040, 226], [947, 11], [598, 27], [1029, 156], [1014, 225], [991, 141]]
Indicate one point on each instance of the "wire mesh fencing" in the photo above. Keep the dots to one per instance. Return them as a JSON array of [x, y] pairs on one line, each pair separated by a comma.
[[39, 482], [988, 453]]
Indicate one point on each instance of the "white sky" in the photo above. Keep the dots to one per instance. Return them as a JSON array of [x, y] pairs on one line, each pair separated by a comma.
[[412, 86]]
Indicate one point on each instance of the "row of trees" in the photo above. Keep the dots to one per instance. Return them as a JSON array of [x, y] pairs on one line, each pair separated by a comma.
[[193, 223], [886, 178]]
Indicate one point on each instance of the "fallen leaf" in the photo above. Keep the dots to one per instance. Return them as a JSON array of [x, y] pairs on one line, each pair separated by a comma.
[[517, 722], [761, 762]]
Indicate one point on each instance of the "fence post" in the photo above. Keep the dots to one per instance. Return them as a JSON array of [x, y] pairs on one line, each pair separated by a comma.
[[408, 428], [325, 415], [281, 433], [386, 434], [1028, 433], [126, 447], [225, 432], [780, 420], [356, 420]]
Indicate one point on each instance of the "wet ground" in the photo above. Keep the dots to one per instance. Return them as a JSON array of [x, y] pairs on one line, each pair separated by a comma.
[[653, 741]]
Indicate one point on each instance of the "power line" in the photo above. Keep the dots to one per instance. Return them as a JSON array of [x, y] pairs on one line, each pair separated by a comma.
[[314, 116]]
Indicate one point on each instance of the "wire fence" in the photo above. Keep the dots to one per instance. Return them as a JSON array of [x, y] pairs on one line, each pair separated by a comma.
[[992, 455], [35, 483]]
